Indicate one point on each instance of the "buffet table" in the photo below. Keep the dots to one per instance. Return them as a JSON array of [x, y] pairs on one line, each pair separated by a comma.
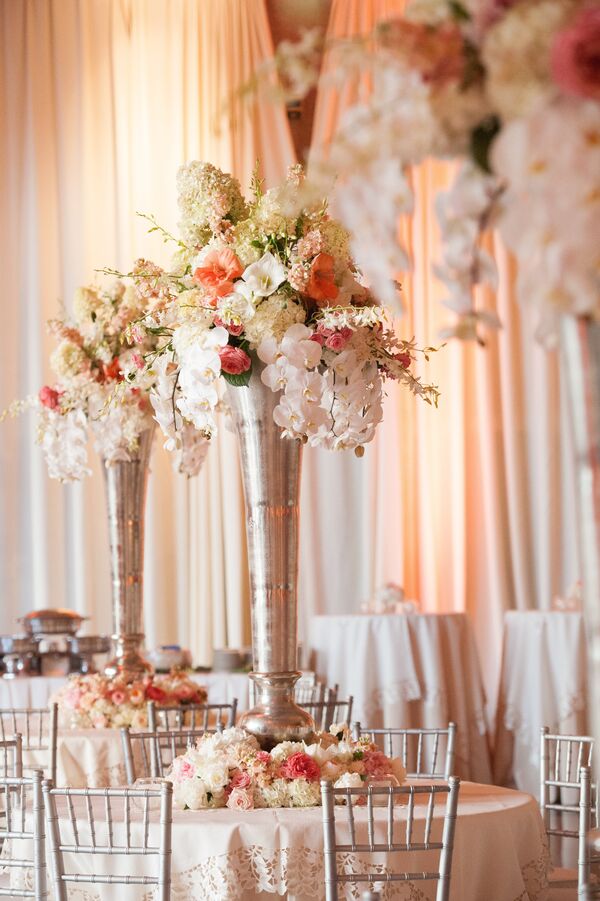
[[500, 853], [408, 670], [36, 691], [542, 683]]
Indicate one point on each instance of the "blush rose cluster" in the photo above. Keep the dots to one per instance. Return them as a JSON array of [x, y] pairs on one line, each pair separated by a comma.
[[229, 769]]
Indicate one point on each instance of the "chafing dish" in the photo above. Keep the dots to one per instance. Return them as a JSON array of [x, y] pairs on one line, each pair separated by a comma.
[[19, 656], [83, 648], [52, 622]]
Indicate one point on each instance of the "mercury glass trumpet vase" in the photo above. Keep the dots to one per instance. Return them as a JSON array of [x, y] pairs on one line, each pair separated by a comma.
[[126, 483], [271, 466]]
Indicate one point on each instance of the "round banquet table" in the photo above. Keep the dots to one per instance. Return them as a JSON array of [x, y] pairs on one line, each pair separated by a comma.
[[542, 683], [500, 853], [408, 670]]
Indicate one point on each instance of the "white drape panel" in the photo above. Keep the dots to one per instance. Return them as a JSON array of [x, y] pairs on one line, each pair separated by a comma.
[[470, 506], [100, 102]]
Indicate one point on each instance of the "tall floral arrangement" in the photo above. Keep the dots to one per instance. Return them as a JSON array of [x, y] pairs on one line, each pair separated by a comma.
[[512, 89], [98, 384], [270, 284]]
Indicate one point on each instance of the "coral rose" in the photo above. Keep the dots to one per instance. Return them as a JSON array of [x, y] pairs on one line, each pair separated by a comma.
[[376, 763], [49, 398], [575, 55], [219, 269], [234, 360], [300, 766], [154, 693], [321, 286]]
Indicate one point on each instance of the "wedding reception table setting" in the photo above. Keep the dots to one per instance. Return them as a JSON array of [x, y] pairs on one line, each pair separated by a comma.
[[300, 450]]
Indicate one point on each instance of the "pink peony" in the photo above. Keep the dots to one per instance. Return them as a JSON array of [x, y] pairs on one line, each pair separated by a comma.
[[49, 398], [300, 766], [376, 763], [240, 799], [575, 55], [234, 360]]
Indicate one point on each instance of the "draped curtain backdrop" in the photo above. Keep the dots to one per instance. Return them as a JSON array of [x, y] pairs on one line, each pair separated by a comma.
[[470, 506], [100, 102]]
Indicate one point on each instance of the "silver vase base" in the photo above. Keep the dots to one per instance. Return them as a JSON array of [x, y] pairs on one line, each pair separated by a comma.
[[276, 717], [130, 666]]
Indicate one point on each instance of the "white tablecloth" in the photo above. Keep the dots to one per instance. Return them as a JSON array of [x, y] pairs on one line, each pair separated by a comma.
[[542, 683], [35, 691], [500, 854], [408, 670]]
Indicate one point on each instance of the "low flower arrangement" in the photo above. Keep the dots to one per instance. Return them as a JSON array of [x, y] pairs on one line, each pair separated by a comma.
[[99, 702], [254, 286], [229, 769]]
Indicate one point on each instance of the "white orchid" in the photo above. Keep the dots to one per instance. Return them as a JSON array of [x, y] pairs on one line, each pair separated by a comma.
[[235, 309], [263, 278]]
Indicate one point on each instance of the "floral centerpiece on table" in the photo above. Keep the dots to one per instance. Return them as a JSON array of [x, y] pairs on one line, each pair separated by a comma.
[[512, 89], [98, 702], [254, 285], [228, 769]]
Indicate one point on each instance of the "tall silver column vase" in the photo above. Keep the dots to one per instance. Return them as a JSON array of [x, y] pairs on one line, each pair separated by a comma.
[[580, 345], [126, 483], [271, 468]]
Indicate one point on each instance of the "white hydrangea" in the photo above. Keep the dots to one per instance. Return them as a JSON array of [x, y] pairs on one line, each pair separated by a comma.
[[302, 793], [274, 316], [69, 361], [206, 196]]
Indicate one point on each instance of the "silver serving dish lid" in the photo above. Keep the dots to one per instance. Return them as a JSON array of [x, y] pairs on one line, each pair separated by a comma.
[[17, 644], [89, 644], [52, 622]]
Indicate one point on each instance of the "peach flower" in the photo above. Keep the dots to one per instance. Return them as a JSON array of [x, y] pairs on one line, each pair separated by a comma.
[[217, 272], [321, 286]]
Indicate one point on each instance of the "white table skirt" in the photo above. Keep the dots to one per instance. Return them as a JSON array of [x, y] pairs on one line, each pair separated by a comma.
[[408, 670], [542, 683], [500, 854], [35, 691]]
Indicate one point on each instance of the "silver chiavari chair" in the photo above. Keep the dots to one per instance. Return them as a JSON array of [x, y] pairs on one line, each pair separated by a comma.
[[92, 826], [425, 753], [192, 716], [39, 729], [329, 711], [565, 793], [23, 820], [148, 755], [11, 756], [398, 834]]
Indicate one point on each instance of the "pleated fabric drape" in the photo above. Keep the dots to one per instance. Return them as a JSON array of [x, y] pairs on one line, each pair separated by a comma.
[[100, 102], [470, 506]]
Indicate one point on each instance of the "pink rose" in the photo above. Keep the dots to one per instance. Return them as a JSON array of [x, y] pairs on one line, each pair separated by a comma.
[[240, 799], [49, 398], [184, 692], [118, 697], [336, 342], [318, 338], [263, 757], [234, 360], [376, 763], [575, 55], [300, 766], [240, 780], [183, 769]]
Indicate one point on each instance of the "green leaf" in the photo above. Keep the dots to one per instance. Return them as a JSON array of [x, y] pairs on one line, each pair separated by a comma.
[[238, 381], [256, 243], [459, 12], [482, 138]]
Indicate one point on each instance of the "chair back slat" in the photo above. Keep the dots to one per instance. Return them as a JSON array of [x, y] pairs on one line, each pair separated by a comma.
[[330, 710], [148, 755], [192, 716], [11, 756], [134, 843], [38, 727], [23, 818], [421, 750], [393, 797]]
